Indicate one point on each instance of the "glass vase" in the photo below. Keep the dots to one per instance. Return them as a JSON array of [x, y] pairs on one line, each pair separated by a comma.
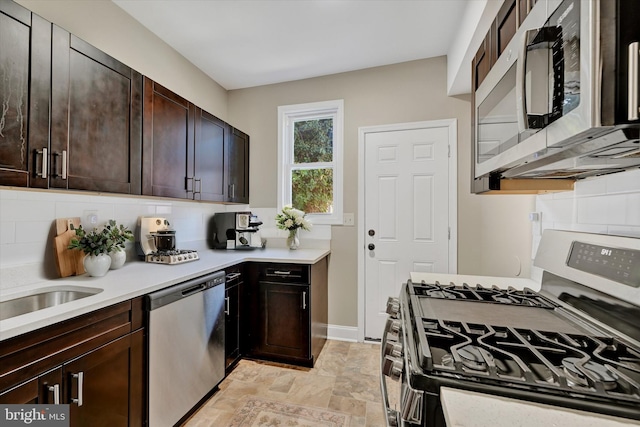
[[293, 241]]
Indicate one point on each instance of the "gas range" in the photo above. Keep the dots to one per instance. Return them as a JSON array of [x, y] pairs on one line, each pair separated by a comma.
[[574, 343], [176, 256]]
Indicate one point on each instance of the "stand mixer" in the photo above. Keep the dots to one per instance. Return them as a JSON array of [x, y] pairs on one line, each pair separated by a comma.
[[155, 242]]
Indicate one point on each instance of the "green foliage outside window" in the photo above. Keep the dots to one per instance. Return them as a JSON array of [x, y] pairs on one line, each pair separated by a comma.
[[312, 189]]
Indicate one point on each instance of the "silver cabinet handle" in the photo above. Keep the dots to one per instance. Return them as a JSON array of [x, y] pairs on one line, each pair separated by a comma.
[[282, 273], [633, 81], [226, 302], [45, 160], [55, 390], [64, 164], [79, 377], [304, 300], [232, 276], [197, 188], [232, 191]]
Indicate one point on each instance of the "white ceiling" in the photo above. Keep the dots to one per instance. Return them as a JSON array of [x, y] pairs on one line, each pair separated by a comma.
[[245, 43]]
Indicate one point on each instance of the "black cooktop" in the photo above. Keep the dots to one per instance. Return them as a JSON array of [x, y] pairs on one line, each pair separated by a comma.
[[518, 341]]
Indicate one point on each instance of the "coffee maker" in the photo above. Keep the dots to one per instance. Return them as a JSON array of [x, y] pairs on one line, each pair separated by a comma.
[[156, 242], [235, 230]]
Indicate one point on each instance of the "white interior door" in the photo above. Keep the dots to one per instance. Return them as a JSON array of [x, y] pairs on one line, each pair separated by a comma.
[[406, 213]]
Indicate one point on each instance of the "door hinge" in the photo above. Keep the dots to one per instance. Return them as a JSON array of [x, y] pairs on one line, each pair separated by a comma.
[[449, 233], [448, 150]]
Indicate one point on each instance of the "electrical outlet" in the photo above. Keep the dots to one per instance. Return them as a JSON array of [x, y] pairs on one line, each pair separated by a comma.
[[348, 219], [91, 218]]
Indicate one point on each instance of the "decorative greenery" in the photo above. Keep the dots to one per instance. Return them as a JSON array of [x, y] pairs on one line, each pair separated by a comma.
[[119, 234], [292, 219], [95, 242]]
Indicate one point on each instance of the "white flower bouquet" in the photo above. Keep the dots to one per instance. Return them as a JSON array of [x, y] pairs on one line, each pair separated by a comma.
[[292, 219]]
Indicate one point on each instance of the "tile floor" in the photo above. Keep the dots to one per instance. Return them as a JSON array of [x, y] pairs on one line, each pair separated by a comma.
[[345, 379]]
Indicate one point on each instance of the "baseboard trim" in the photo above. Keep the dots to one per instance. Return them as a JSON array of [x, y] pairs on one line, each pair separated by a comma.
[[342, 333]]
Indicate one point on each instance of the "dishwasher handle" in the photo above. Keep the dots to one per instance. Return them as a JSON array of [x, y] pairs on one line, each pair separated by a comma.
[[194, 290], [171, 294]]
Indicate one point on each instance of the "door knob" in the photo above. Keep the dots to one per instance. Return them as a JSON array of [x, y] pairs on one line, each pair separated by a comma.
[[371, 246]]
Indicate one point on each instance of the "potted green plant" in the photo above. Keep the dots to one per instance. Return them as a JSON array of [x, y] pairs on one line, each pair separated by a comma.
[[119, 234], [96, 244]]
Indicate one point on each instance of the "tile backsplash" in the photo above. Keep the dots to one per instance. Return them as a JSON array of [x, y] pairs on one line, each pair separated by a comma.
[[27, 223], [27, 219], [605, 205]]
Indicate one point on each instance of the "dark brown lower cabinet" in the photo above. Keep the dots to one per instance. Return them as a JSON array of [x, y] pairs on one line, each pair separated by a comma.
[[288, 308], [234, 288], [105, 385], [44, 389], [284, 319], [94, 363]]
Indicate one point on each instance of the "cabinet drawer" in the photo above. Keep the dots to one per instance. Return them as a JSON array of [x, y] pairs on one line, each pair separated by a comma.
[[298, 273], [33, 353]]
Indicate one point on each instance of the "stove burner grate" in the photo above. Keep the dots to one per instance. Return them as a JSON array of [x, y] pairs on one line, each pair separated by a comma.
[[478, 293], [546, 361], [175, 256]]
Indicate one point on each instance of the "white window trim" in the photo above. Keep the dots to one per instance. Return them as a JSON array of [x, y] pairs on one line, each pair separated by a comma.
[[287, 113]]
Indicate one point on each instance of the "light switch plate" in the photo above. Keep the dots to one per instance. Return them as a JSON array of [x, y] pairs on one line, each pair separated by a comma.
[[348, 219]]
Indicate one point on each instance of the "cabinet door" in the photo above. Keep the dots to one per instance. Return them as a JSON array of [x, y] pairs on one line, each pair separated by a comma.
[[97, 384], [24, 92], [232, 325], [167, 168], [506, 24], [45, 389], [96, 119], [284, 311], [211, 133], [238, 170]]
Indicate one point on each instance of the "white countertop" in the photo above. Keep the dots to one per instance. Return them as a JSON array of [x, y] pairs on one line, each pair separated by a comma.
[[137, 278], [469, 409]]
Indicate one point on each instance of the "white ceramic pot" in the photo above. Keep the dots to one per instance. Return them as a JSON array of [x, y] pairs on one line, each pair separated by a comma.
[[97, 265], [118, 257]]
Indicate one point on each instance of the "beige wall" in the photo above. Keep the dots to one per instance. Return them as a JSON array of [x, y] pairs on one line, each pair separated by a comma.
[[490, 227], [110, 29]]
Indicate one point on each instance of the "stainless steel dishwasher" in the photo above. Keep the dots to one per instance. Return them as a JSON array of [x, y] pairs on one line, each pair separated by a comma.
[[186, 346]]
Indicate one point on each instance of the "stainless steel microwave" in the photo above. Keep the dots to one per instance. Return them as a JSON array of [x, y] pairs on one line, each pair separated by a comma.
[[562, 99]]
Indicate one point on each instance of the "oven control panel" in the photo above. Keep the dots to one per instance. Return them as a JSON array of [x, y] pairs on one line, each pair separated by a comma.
[[620, 265]]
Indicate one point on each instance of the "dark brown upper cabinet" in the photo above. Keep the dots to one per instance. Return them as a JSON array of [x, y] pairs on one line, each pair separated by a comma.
[[183, 147], [211, 136], [238, 171], [507, 22], [96, 124], [167, 136], [189, 153], [25, 85]]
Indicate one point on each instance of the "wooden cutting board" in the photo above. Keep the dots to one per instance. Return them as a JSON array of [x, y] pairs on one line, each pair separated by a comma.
[[68, 261]]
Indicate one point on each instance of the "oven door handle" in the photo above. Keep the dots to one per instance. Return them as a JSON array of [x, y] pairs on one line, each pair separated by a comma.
[[391, 416]]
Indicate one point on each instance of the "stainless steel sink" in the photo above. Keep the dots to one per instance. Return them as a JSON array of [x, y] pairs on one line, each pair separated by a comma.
[[42, 299]]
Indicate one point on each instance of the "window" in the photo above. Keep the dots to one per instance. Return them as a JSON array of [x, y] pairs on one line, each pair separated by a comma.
[[310, 159]]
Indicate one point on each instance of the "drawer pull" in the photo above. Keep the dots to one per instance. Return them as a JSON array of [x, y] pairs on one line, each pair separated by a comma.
[[232, 276], [80, 378], [282, 273], [55, 391], [226, 305]]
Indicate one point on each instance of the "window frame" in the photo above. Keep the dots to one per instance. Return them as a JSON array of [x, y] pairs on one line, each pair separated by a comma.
[[287, 115]]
